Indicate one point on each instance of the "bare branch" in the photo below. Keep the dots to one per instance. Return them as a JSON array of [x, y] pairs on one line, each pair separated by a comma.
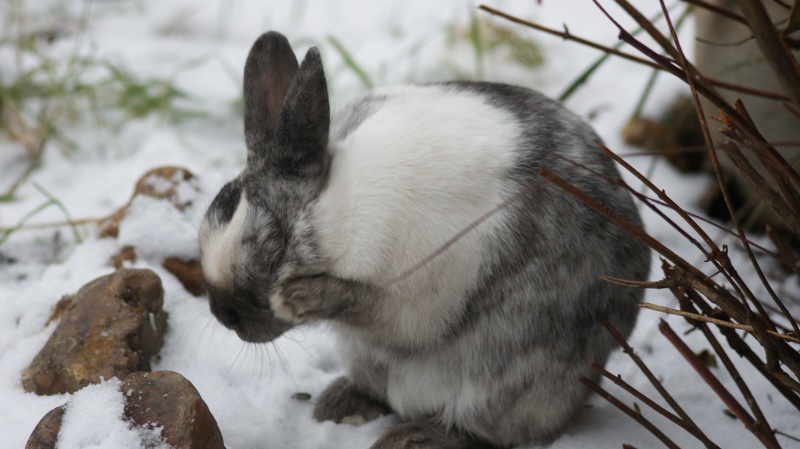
[[706, 319]]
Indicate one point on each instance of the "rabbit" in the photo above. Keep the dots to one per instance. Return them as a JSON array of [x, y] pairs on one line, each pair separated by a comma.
[[463, 288]]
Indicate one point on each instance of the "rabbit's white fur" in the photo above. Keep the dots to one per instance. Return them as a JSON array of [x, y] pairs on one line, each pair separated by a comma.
[[221, 246], [394, 197]]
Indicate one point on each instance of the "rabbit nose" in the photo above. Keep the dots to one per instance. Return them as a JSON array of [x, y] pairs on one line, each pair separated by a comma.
[[229, 317]]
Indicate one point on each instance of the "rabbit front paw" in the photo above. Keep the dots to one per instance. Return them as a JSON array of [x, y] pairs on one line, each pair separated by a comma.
[[300, 300], [322, 296]]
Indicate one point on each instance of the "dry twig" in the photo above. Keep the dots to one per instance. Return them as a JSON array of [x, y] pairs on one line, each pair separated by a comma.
[[707, 319]]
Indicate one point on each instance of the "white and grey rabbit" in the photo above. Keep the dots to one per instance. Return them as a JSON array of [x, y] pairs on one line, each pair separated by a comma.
[[470, 318]]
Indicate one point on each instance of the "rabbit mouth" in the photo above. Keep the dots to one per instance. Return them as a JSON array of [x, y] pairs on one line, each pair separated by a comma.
[[261, 331], [261, 327], [251, 323]]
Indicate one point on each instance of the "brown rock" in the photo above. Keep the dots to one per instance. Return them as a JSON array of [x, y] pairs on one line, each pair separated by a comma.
[[676, 134], [161, 182], [45, 434], [60, 307], [189, 273], [110, 226], [168, 400], [112, 328], [126, 254], [163, 399]]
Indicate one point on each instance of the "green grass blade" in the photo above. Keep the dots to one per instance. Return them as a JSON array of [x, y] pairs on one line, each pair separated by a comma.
[[60, 205], [351, 62]]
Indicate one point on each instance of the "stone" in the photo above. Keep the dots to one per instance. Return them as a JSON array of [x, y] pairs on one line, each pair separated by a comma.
[[45, 435], [110, 329], [675, 133], [126, 254], [59, 309], [168, 400], [189, 273], [161, 399]]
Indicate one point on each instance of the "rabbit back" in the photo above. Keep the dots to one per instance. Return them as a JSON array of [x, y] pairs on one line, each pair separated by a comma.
[[490, 299]]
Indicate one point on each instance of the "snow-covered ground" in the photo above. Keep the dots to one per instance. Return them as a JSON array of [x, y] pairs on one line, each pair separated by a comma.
[[249, 388]]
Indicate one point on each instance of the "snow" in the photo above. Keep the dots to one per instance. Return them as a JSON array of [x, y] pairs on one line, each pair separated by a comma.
[[158, 230], [94, 420], [249, 388]]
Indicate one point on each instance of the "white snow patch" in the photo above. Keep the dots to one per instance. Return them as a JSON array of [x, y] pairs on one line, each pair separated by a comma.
[[158, 230], [94, 419]]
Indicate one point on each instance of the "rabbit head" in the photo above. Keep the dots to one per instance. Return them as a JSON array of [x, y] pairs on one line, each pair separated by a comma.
[[256, 231]]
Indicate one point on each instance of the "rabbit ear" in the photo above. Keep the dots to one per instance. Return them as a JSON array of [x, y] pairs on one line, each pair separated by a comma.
[[301, 139], [268, 74]]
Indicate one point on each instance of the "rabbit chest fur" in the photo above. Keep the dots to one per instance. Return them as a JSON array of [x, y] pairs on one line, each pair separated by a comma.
[[463, 287]]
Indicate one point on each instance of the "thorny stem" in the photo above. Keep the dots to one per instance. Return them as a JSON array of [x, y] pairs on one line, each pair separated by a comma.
[[628, 411], [762, 321], [696, 317], [778, 56], [691, 428], [717, 10], [783, 258], [569, 36], [714, 254], [736, 343], [773, 199], [688, 71], [615, 51], [726, 397], [626, 348], [718, 297], [695, 277], [772, 159], [640, 19], [761, 421]]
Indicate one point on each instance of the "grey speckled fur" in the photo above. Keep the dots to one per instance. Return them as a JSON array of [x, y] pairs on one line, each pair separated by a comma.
[[524, 330]]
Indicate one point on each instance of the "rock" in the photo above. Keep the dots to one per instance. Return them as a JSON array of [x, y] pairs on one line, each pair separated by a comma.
[[60, 307], [675, 133], [162, 399], [45, 434], [189, 273], [126, 254], [112, 328], [168, 400], [162, 182]]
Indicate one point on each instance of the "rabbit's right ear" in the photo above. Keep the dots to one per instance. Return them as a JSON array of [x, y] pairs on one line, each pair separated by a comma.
[[268, 73]]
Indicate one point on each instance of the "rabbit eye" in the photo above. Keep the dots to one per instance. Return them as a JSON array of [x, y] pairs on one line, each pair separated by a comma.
[[226, 202]]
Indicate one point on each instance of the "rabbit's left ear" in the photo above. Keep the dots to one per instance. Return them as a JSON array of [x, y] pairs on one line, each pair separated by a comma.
[[268, 73], [301, 138]]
